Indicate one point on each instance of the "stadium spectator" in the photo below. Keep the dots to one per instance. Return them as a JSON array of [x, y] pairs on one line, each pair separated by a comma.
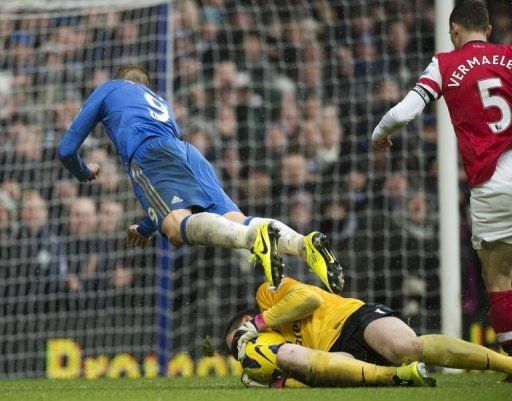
[[395, 190], [82, 245], [12, 188], [226, 124], [309, 142], [295, 174], [65, 192], [312, 108], [398, 42], [330, 150], [112, 264], [127, 46], [41, 257], [301, 212], [338, 220], [414, 235], [259, 185], [356, 186], [7, 221]]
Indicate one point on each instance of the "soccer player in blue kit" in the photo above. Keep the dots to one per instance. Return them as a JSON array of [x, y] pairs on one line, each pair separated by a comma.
[[177, 186]]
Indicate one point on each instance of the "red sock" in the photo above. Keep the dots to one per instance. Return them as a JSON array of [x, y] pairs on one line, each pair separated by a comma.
[[500, 317]]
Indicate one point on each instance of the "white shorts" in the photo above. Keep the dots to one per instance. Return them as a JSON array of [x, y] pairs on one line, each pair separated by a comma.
[[491, 205]]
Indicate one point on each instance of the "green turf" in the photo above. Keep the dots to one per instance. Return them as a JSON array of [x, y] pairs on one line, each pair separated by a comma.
[[466, 387]]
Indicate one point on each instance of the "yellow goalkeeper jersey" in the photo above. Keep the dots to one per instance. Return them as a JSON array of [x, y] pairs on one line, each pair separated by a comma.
[[305, 314]]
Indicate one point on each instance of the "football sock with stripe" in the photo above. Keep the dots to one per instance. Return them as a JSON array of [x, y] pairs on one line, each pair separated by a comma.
[[329, 369], [290, 241], [211, 229], [500, 317], [450, 352]]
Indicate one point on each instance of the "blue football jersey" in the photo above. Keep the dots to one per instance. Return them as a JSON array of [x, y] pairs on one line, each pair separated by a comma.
[[130, 112]]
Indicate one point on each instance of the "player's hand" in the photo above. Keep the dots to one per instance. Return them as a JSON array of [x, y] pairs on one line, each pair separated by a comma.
[[134, 238], [382, 144], [247, 381], [95, 171], [249, 330]]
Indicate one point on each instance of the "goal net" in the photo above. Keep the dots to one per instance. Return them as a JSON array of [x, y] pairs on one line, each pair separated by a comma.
[[281, 96], [65, 272]]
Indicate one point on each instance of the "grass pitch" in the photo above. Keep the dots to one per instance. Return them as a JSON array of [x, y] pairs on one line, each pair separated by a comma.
[[465, 387]]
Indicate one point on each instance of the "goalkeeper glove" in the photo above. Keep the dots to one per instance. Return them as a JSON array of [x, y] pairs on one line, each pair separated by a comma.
[[250, 329], [247, 381]]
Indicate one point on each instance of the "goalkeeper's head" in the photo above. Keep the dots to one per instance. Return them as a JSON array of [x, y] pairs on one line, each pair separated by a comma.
[[235, 322], [134, 73], [469, 18]]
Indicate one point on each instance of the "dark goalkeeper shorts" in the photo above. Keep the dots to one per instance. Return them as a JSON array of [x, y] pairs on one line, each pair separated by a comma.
[[351, 339]]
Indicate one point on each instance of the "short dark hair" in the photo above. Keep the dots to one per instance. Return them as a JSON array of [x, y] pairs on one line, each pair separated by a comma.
[[234, 323], [472, 15], [133, 72]]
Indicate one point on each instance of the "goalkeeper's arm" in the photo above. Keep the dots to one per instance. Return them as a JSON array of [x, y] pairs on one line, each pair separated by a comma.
[[400, 115], [298, 302]]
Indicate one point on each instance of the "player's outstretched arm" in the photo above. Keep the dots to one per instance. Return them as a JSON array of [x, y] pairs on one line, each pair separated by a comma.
[[82, 125], [399, 116], [296, 302], [428, 88]]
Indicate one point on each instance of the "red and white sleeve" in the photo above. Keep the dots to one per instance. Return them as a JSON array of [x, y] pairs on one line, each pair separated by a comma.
[[428, 88], [431, 81]]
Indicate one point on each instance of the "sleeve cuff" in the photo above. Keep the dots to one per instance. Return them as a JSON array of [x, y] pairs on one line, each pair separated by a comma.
[[145, 231], [259, 321]]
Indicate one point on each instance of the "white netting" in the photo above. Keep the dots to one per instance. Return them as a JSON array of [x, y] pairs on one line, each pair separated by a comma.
[[64, 268], [280, 95]]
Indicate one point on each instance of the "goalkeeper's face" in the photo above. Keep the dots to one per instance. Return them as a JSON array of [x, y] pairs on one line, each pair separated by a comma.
[[231, 332]]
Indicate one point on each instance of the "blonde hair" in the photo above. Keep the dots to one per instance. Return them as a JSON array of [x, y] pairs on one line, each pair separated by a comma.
[[134, 73]]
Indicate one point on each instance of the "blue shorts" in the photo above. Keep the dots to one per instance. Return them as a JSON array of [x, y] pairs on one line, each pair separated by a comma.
[[169, 174]]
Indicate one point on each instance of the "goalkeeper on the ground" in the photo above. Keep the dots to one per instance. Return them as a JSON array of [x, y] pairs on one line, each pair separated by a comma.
[[325, 332]]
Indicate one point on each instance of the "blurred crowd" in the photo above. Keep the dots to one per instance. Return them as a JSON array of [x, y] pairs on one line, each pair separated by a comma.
[[281, 98]]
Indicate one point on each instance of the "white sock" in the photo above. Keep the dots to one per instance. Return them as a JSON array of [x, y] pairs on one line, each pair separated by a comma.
[[211, 229], [290, 241]]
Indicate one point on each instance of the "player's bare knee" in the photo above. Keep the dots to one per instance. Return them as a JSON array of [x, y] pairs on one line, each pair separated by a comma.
[[174, 236], [172, 231], [405, 349], [291, 358], [176, 240]]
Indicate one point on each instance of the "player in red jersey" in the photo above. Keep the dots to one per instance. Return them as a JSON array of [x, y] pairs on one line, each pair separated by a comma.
[[476, 82]]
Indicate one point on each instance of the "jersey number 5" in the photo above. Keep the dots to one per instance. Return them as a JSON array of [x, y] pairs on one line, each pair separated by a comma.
[[488, 100], [157, 109]]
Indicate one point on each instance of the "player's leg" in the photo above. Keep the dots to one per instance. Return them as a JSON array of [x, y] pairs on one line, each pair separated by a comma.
[[393, 339], [313, 248], [397, 342], [452, 352], [317, 254], [171, 179], [372, 334], [209, 229], [496, 258], [212, 229], [319, 368], [491, 217]]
